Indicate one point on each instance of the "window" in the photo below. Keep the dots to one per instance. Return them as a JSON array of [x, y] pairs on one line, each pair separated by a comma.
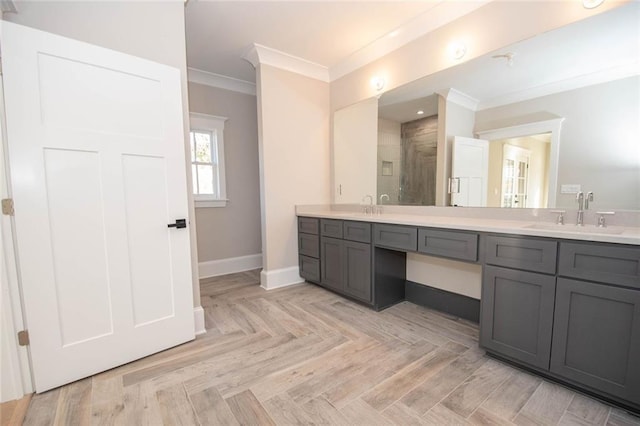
[[207, 160]]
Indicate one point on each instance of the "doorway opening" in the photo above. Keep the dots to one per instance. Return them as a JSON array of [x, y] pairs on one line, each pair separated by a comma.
[[518, 172], [532, 183]]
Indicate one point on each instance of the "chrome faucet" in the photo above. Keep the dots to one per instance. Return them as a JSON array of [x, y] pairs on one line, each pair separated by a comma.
[[587, 198], [583, 204], [580, 199], [368, 208], [379, 206]]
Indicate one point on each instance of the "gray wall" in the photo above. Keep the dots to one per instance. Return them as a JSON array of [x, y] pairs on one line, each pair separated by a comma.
[[150, 30], [234, 230], [599, 141]]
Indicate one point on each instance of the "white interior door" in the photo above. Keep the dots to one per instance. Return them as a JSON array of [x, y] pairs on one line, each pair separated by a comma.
[[96, 152], [469, 172], [515, 176]]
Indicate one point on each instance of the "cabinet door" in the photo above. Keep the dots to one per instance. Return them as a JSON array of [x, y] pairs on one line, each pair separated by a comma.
[[400, 237], [308, 245], [517, 314], [309, 268], [596, 337], [357, 278], [607, 263], [451, 244], [357, 231], [308, 225], [331, 228], [531, 254], [331, 259]]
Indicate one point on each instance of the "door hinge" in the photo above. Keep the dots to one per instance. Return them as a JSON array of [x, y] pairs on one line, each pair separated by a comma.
[[23, 338], [7, 206]]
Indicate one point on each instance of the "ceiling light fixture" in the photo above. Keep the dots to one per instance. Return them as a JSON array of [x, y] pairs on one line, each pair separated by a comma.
[[377, 83], [591, 4], [508, 56], [458, 50], [420, 112], [393, 33]]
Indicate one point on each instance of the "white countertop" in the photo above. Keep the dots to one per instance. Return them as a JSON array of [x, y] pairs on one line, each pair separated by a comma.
[[610, 234]]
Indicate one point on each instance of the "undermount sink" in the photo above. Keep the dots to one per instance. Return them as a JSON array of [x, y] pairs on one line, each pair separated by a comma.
[[587, 229]]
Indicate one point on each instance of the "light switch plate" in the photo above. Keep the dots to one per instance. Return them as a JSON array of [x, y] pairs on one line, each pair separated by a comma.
[[570, 188]]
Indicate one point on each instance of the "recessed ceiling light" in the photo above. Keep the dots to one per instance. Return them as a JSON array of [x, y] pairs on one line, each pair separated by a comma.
[[420, 112], [591, 4], [393, 33]]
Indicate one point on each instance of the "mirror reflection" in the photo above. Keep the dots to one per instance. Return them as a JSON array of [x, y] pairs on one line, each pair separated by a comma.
[[529, 125]]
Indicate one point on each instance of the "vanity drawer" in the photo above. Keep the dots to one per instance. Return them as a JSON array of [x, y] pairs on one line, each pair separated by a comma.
[[607, 263], [451, 244], [331, 228], [309, 268], [521, 253], [357, 231], [308, 225], [396, 236], [309, 245]]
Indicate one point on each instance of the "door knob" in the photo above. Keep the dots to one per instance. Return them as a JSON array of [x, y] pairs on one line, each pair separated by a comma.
[[180, 223]]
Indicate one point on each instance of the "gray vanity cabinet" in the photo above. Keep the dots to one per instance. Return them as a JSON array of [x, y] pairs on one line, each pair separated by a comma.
[[309, 248], [518, 295], [517, 314], [346, 264], [357, 270], [331, 259], [596, 337]]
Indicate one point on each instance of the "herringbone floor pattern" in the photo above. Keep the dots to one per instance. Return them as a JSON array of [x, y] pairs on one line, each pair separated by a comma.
[[302, 355]]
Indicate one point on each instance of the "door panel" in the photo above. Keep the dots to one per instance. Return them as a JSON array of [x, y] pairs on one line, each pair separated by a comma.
[[144, 180], [605, 357], [469, 171], [96, 156], [98, 98], [78, 247], [357, 282], [517, 314], [331, 263]]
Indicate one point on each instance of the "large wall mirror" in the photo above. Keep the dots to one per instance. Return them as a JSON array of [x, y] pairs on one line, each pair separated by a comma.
[[528, 125]]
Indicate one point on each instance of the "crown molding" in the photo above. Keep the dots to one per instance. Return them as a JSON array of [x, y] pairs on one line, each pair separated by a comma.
[[262, 55], [457, 97], [440, 14], [220, 81], [603, 76], [8, 6]]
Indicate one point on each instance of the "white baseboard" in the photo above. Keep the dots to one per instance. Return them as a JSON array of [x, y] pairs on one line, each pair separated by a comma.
[[198, 317], [231, 265], [280, 278]]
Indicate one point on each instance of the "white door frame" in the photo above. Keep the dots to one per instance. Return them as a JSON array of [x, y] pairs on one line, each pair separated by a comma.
[[552, 126], [12, 321]]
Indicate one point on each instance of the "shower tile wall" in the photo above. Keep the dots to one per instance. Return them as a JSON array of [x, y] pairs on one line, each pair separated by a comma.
[[418, 177], [390, 151]]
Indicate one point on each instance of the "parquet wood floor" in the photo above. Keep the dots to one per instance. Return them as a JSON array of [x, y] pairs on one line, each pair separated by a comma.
[[303, 355]]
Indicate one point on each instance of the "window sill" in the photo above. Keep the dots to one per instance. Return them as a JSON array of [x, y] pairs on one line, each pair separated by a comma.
[[200, 204]]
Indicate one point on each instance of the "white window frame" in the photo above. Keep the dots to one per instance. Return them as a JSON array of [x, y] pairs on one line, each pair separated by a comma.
[[214, 124]]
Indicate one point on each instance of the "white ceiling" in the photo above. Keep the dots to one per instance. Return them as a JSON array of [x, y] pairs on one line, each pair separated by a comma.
[[601, 48], [327, 32]]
